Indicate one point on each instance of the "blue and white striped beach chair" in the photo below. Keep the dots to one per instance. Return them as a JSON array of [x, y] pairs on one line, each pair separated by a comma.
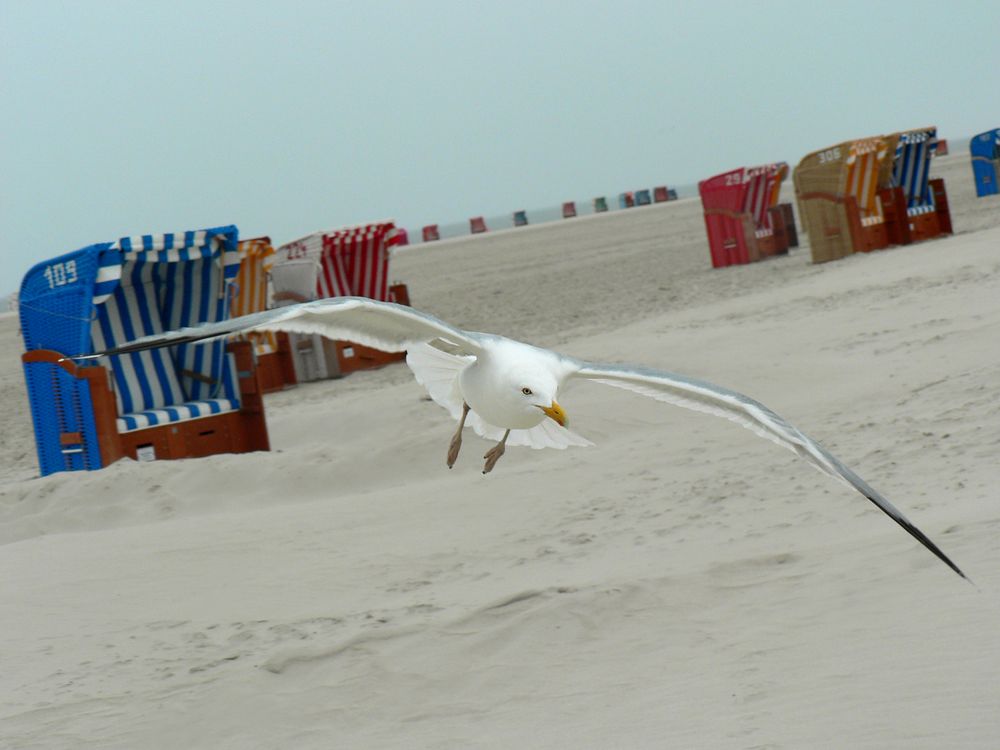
[[926, 201], [911, 168], [106, 295]]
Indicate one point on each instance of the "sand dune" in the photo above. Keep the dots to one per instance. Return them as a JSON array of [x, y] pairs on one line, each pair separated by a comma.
[[681, 584]]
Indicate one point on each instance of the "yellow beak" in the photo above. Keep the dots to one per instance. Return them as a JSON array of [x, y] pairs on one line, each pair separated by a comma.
[[556, 413]]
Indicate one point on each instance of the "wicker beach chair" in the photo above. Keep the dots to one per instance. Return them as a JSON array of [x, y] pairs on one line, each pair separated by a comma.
[[985, 152], [837, 189], [742, 218], [348, 261], [275, 367], [926, 214], [186, 401], [774, 224]]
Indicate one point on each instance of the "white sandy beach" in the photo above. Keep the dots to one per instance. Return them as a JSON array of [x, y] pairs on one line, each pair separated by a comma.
[[683, 584]]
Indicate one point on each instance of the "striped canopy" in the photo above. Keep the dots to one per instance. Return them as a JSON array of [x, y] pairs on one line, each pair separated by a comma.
[[763, 185], [912, 166], [256, 256], [350, 261], [749, 190], [866, 171], [152, 283], [171, 247]]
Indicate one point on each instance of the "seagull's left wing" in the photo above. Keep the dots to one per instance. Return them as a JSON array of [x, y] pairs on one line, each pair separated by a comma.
[[711, 399], [382, 325]]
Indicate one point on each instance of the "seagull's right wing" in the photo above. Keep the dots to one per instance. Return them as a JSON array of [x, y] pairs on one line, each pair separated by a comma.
[[722, 402], [381, 325]]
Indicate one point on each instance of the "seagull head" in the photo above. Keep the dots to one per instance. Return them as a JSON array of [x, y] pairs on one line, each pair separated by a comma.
[[537, 392]]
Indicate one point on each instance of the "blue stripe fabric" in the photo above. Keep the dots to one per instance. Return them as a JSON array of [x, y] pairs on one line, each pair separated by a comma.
[[178, 413], [230, 380], [137, 320], [912, 166], [108, 275], [154, 283]]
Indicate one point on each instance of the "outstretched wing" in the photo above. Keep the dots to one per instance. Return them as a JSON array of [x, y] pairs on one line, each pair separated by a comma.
[[381, 325], [711, 399]]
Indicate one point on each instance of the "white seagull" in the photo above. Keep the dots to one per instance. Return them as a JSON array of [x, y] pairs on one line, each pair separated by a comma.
[[506, 390]]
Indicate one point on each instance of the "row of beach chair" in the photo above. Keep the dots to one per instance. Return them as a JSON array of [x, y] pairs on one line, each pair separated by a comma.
[[478, 224], [856, 196], [868, 194]]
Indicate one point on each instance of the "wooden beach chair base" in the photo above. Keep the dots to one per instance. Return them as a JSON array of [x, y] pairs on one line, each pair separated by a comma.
[[240, 431], [904, 228], [276, 370]]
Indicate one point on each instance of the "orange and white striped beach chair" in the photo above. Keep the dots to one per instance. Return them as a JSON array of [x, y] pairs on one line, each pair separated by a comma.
[[274, 360], [840, 192], [869, 169], [742, 219]]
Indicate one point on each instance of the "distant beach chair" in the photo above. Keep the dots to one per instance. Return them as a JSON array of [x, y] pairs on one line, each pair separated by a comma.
[[837, 189], [774, 223], [942, 147], [671, 194], [730, 230], [600, 204], [348, 261], [520, 218], [184, 401], [569, 210], [275, 367], [430, 233], [642, 198], [626, 200], [926, 214], [742, 219], [477, 225], [985, 152], [660, 194]]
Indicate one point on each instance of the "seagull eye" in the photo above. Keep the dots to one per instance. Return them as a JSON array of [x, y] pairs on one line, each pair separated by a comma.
[[526, 391]]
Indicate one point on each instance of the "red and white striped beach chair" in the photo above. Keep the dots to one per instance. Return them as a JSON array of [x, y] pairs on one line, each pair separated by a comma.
[[351, 261], [742, 218], [774, 224]]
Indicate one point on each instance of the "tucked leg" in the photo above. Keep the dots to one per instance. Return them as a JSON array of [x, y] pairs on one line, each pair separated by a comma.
[[494, 453], [456, 441]]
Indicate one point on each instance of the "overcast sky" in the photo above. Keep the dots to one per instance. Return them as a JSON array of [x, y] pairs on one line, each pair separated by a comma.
[[285, 117]]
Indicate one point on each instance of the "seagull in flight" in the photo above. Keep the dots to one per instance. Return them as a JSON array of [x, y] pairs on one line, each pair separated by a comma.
[[506, 390]]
